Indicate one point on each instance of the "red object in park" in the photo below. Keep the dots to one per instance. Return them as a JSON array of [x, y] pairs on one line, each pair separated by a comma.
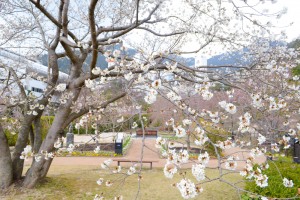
[[148, 132]]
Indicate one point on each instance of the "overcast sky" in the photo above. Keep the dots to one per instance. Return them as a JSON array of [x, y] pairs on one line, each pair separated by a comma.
[[293, 15]]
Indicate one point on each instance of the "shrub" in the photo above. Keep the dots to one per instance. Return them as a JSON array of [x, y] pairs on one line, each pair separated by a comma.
[[296, 70], [157, 123], [214, 134], [46, 122], [288, 169], [136, 119], [126, 144]]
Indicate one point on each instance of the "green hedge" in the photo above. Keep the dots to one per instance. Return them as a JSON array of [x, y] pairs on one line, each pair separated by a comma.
[[288, 169], [214, 135], [46, 122], [210, 148], [296, 70]]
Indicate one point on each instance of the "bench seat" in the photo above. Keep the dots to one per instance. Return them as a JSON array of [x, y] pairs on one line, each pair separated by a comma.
[[135, 161]]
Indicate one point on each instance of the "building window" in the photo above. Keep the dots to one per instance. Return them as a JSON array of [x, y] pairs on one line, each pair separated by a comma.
[[39, 90]]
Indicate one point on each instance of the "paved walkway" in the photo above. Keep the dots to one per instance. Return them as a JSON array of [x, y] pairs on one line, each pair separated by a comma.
[[150, 153]]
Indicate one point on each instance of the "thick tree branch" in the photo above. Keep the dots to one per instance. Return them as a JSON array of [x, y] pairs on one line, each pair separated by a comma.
[[19, 83], [58, 29], [52, 19], [93, 34]]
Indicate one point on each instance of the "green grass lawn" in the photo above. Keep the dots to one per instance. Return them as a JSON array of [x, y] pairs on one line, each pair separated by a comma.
[[73, 182]]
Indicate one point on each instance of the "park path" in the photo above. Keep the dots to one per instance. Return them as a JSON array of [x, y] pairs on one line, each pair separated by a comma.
[[150, 153]]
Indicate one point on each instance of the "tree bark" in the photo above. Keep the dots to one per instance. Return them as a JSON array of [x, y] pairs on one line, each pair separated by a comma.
[[6, 175], [31, 136], [38, 135], [34, 174], [18, 163], [39, 170]]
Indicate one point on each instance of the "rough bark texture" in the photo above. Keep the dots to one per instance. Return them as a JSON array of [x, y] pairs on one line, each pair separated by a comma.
[[18, 163], [31, 136], [35, 172], [6, 175], [39, 170], [38, 135]]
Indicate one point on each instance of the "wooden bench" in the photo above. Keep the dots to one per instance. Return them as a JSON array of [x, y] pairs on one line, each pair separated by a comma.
[[135, 161], [148, 132]]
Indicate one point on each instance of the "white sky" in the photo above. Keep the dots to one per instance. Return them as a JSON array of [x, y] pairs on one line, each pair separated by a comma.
[[292, 15], [279, 25], [282, 24]]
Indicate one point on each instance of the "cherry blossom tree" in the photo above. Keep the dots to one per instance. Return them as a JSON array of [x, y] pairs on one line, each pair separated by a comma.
[[160, 32]]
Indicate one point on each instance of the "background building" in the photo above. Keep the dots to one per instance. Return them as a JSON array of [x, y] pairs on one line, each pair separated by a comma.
[[24, 67]]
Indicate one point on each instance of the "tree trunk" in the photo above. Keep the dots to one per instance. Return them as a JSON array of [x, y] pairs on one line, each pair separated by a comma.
[[34, 174], [18, 163], [6, 175], [39, 170], [31, 136], [38, 135]]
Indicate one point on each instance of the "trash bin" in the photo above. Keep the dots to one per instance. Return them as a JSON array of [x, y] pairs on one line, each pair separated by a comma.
[[119, 147], [119, 144], [296, 153]]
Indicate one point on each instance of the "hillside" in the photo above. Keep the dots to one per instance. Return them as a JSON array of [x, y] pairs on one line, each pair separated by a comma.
[[229, 58]]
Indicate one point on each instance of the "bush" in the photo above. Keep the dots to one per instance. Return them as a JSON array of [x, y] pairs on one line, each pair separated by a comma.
[[126, 144], [215, 134], [296, 70], [288, 169], [157, 123], [46, 122], [136, 119]]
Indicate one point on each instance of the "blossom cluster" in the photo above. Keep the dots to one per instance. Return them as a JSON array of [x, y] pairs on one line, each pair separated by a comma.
[[204, 89], [229, 107], [27, 152], [249, 172], [188, 189]]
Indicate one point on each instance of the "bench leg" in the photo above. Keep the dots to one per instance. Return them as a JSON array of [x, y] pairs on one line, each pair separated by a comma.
[[150, 165], [118, 163]]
